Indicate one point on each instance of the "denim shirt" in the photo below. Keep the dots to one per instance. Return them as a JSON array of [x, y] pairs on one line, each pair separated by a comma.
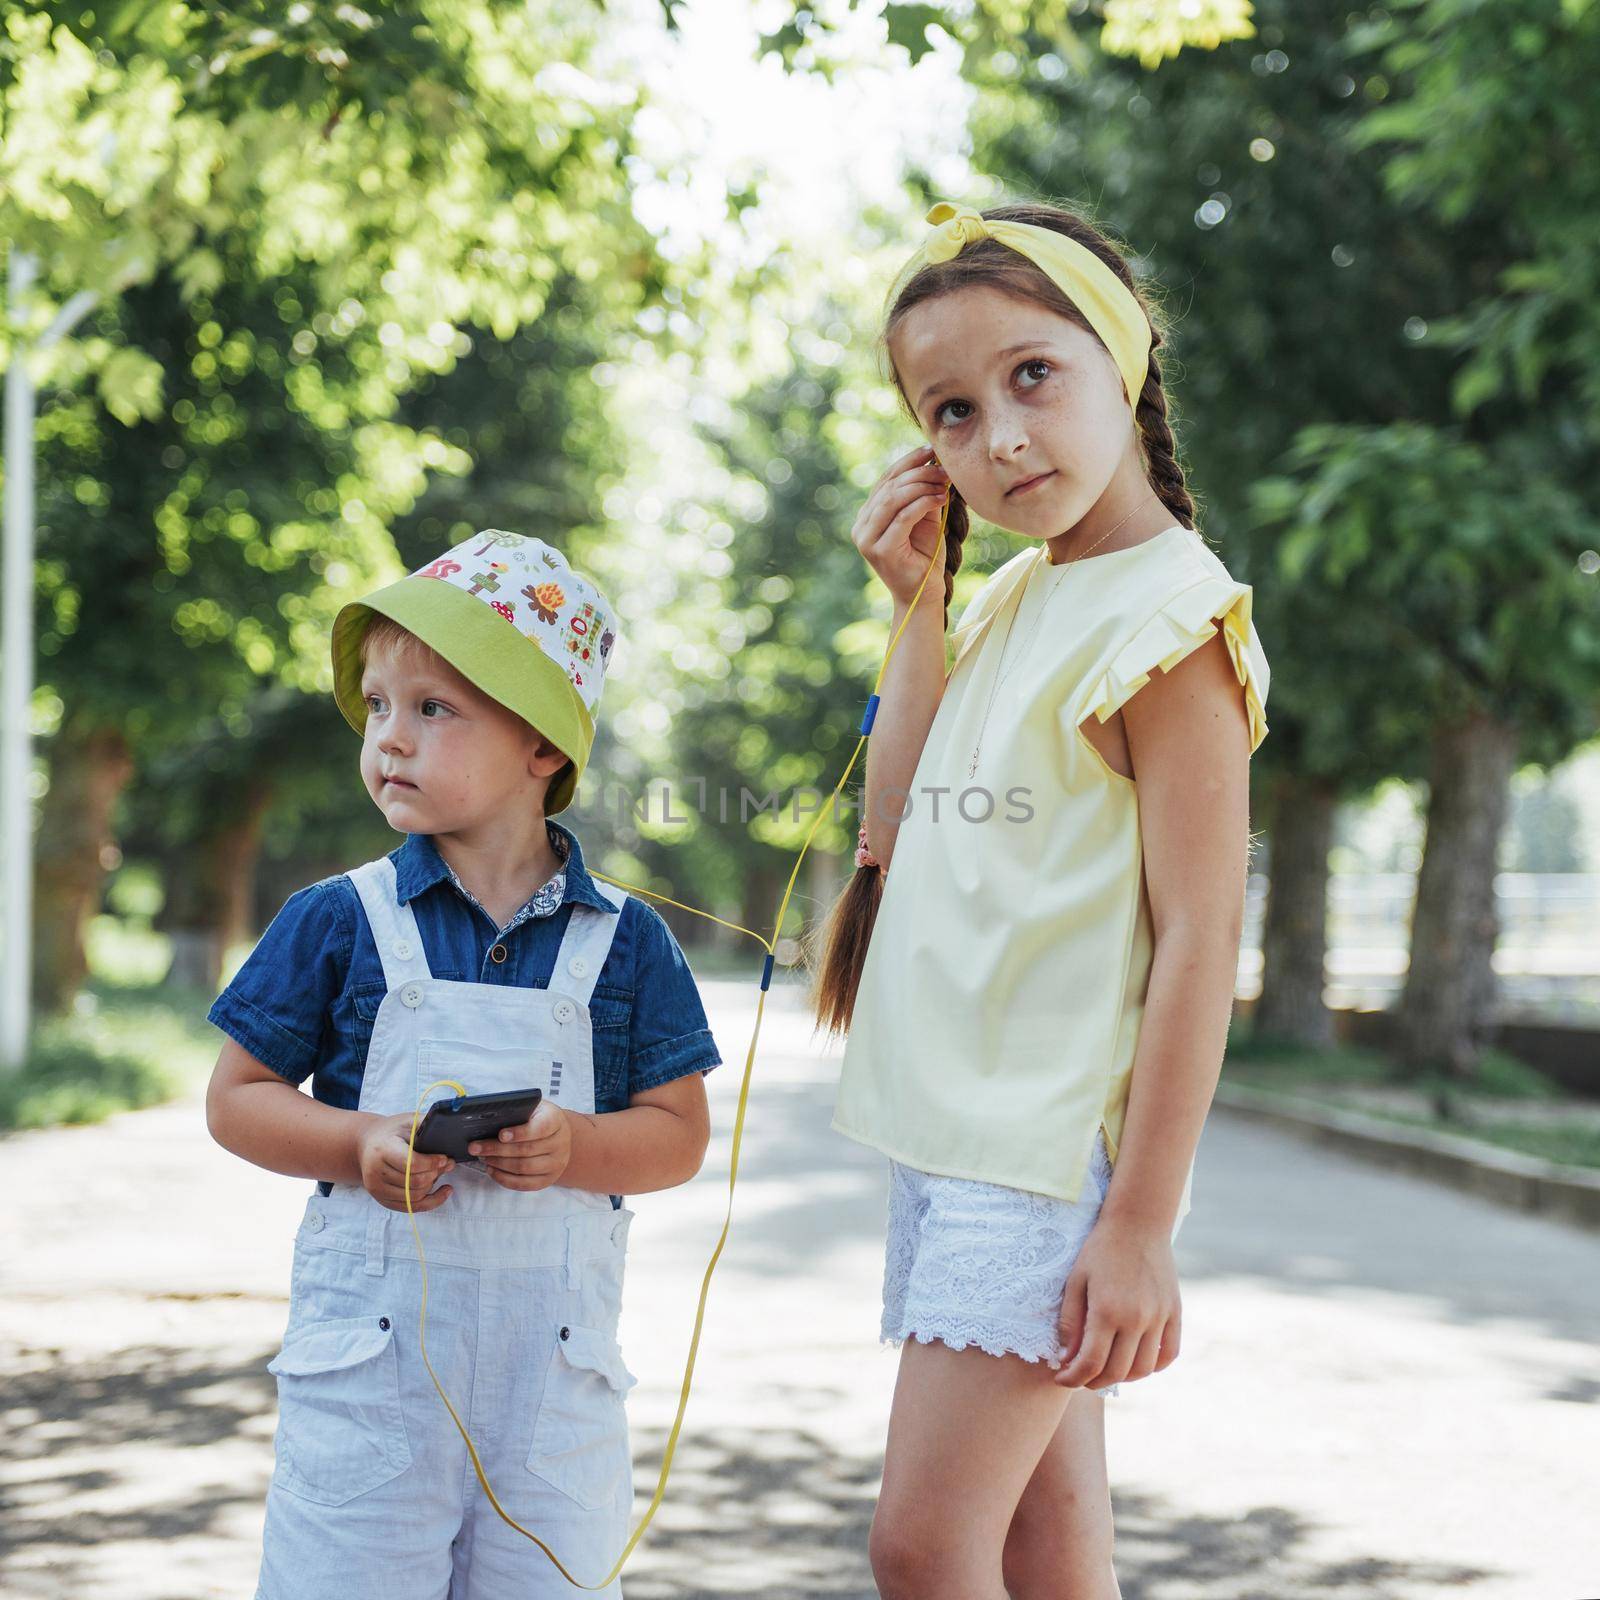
[[305, 1000]]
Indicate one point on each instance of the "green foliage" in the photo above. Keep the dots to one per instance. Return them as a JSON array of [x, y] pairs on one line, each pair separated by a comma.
[[1149, 31], [121, 1054], [294, 221], [1514, 83], [1510, 1104], [1507, 1077], [1454, 555], [908, 27], [769, 714], [1247, 1048], [424, 164], [1575, 1144], [181, 556]]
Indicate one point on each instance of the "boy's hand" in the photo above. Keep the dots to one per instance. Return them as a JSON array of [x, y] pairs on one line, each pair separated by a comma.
[[532, 1155], [382, 1151]]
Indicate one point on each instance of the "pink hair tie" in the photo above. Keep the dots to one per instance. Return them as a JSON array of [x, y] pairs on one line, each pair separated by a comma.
[[864, 857]]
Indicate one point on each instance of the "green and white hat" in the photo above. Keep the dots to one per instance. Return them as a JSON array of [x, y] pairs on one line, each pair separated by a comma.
[[513, 618]]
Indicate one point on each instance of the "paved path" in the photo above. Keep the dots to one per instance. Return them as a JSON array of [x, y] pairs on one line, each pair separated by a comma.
[[1387, 1390]]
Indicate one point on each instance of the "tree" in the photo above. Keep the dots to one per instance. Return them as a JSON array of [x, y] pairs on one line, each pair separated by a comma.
[[1315, 293], [1514, 186], [319, 205]]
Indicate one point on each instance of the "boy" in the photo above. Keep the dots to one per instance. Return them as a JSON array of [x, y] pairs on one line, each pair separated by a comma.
[[479, 952]]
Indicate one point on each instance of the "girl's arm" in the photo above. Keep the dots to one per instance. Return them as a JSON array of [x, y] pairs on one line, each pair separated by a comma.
[[913, 686], [899, 534], [1189, 739], [1188, 735]]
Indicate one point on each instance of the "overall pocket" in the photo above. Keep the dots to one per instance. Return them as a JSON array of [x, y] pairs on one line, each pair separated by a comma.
[[580, 1436], [341, 1432], [482, 1069]]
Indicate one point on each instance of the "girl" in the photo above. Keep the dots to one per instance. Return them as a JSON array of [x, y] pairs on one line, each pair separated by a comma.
[[1035, 960]]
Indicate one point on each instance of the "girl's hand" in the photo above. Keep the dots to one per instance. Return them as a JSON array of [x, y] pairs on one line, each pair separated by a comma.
[[1120, 1312], [532, 1155], [897, 529], [381, 1148]]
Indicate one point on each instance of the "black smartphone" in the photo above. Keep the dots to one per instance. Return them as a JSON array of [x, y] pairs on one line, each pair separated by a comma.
[[449, 1126]]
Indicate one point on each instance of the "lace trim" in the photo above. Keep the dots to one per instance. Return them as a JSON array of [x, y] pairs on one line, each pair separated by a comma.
[[995, 1345], [989, 1261]]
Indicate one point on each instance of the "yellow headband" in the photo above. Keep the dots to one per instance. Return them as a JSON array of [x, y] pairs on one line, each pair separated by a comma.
[[1078, 272]]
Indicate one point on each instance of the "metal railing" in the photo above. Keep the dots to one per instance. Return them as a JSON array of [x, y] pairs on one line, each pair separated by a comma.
[[1547, 955]]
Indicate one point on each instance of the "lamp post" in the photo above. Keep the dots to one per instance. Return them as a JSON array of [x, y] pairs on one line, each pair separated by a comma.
[[16, 659]]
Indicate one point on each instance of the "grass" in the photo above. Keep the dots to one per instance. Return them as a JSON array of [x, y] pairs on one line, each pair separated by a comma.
[[119, 1049], [130, 1040], [1499, 1076], [1487, 1109], [1573, 1144]]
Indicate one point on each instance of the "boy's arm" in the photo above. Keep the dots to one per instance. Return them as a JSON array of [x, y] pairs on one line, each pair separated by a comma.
[[658, 1142], [259, 1115]]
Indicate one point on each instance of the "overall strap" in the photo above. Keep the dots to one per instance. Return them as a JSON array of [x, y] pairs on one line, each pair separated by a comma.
[[394, 926], [586, 944]]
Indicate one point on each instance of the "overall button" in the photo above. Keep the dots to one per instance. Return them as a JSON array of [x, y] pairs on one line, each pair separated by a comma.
[[402, 949], [411, 995], [577, 966], [498, 953], [314, 1222], [566, 1333], [617, 1232], [563, 1011]]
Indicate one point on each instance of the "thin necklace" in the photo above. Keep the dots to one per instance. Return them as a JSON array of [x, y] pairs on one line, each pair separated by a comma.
[[972, 766]]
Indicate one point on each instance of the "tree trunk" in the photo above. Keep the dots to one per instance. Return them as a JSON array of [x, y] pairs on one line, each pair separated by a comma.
[[1449, 998], [762, 890], [1294, 937], [210, 889], [89, 767]]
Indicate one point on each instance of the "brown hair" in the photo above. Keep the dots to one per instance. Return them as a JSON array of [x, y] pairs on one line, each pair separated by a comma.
[[847, 929], [393, 638]]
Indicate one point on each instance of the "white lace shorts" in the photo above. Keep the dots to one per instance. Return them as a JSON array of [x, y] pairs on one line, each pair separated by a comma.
[[979, 1263]]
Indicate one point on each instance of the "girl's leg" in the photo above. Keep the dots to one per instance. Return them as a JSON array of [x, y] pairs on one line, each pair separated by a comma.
[[966, 1431], [1060, 1541]]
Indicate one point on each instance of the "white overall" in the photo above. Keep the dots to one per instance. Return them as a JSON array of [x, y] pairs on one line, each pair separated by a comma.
[[373, 1493]]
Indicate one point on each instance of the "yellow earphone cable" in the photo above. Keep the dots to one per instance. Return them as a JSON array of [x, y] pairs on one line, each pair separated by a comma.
[[770, 946]]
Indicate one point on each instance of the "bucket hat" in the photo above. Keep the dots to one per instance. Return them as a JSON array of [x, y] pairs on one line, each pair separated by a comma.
[[510, 614]]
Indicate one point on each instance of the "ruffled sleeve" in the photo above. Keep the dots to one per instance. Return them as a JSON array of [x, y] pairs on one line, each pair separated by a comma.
[[1181, 625]]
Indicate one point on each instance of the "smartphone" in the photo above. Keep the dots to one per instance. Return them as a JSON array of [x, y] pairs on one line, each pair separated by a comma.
[[449, 1126]]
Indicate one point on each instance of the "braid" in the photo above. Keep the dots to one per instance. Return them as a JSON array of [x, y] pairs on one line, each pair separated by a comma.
[[837, 949], [955, 539], [1161, 457]]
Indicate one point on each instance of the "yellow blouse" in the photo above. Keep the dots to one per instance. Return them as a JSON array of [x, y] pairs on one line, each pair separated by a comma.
[[1001, 998]]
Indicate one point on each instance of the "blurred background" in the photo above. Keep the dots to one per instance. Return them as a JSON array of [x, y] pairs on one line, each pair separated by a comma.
[[299, 295]]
